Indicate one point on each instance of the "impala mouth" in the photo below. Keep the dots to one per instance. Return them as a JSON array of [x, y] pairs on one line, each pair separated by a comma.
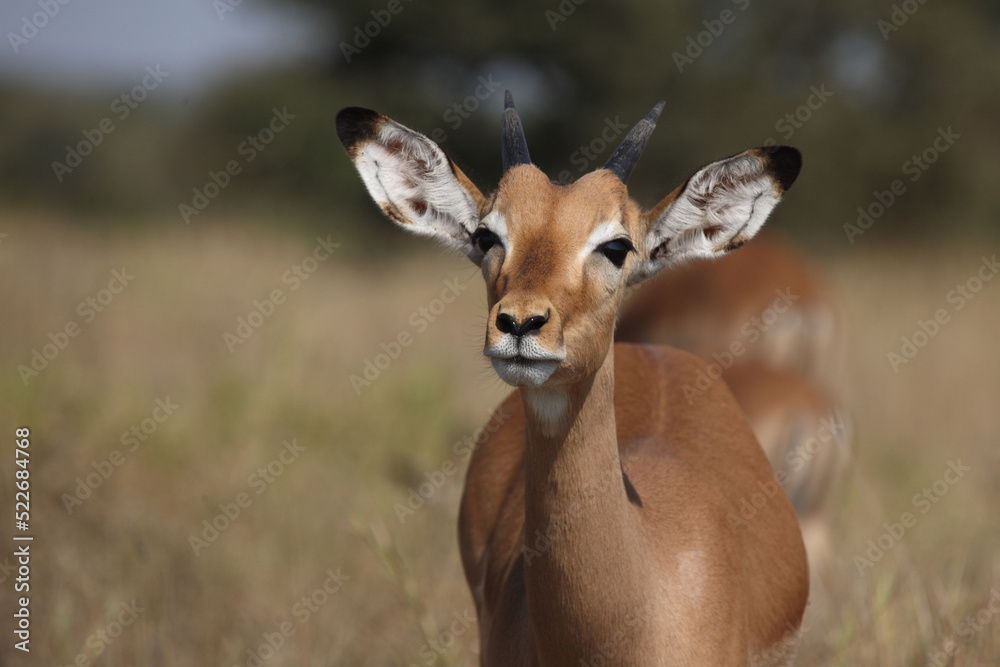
[[522, 361], [519, 371]]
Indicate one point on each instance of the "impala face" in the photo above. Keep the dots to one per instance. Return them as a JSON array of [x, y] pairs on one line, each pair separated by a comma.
[[555, 261], [556, 258]]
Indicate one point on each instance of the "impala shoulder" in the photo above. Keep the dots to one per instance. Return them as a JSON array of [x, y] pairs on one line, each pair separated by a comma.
[[496, 451], [495, 456]]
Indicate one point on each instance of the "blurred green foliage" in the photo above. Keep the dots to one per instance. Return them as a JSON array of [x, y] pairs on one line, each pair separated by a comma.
[[734, 73]]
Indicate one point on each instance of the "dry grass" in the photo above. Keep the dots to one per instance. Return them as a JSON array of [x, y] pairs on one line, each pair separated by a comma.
[[332, 508]]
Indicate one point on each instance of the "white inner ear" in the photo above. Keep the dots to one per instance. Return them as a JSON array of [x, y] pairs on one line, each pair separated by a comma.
[[726, 201], [411, 179]]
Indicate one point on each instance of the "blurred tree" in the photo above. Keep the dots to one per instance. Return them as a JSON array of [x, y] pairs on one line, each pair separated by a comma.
[[860, 88]]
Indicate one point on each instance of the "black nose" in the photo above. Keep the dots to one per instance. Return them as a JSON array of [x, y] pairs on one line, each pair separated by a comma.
[[507, 324]]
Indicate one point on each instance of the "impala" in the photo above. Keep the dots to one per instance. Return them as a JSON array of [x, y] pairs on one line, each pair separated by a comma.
[[805, 436], [765, 320], [593, 526], [766, 297]]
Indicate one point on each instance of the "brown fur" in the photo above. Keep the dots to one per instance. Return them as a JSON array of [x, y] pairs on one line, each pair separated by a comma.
[[690, 471], [703, 306], [791, 416], [658, 578], [784, 380], [595, 524]]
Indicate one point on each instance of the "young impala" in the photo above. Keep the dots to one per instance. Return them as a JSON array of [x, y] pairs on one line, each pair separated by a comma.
[[595, 525]]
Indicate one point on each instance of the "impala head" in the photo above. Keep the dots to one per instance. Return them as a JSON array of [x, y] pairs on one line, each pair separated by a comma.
[[557, 258]]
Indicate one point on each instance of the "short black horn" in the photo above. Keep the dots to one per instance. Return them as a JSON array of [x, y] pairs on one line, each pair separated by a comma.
[[515, 148], [626, 156]]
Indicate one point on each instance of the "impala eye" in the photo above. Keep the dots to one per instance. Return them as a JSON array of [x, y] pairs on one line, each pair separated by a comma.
[[616, 251], [484, 239]]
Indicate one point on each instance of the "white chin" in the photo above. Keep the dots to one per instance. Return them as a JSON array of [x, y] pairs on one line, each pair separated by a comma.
[[521, 372]]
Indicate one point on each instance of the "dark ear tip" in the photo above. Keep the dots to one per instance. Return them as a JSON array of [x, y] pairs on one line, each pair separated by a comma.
[[784, 162], [355, 124]]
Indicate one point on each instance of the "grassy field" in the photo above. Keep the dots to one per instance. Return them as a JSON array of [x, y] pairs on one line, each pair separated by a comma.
[[160, 414]]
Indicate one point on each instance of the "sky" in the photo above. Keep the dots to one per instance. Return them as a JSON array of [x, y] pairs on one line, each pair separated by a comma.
[[107, 44]]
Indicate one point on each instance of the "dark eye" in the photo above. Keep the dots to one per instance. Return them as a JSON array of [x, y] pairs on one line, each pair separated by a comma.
[[484, 239], [616, 251]]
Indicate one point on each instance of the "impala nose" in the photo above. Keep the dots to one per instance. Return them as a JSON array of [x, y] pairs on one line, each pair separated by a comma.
[[507, 324]]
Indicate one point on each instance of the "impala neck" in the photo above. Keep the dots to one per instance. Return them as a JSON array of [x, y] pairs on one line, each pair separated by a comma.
[[584, 569]]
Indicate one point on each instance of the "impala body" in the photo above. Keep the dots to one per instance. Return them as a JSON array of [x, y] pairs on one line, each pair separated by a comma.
[[765, 322], [596, 523], [768, 298]]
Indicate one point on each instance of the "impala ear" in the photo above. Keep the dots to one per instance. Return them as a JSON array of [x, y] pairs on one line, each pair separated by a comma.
[[719, 209], [412, 180]]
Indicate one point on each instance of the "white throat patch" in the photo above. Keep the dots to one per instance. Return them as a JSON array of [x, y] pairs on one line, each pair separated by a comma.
[[549, 408]]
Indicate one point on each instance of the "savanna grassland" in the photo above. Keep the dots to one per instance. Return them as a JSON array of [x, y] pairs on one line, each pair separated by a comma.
[[159, 415]]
